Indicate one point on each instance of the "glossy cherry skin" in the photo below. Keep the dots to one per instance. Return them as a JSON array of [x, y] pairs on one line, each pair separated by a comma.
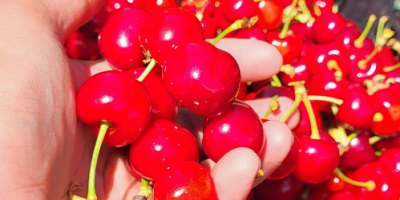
[[289, 46], [386, 56], [303, 30], [301, 73], [164, 106], [112, 5], [202, 78], [325, 6], [167, 29], [357, 110], [269, 14], [348, 35], [82, 47], [391, 159], [161, 143], [388, 142], [341, 195], [359, 145], [95, 24], [118, 98], [209, 25], [156, 6], [254, 32], [205, 7], [288, 188], [385, 184], [238, 9], [327, 26], [118, 39], [185, 180], [361, 70], [288, 164], [317, 160], [387, 103], [239, 126]]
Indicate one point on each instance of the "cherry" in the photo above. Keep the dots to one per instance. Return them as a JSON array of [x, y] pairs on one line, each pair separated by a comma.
[[254, 32], [364, 65], [288, 188], [335, 183], [359, 145], [324, 6], [295, 72], [238, 9], [288, 164], [357, 110], [118, 98], [316, 161], [288, 45], [202, 78], [95, 24], [391, 159], [387, 142], [204, 7], [270, 13], [303, 30], [327, 26], [239, 126], [209, 25], [164, 106], [112, 5], [82, 47], [342, 194], [162, 143], [156, 6], [118, 39], [185, 180]]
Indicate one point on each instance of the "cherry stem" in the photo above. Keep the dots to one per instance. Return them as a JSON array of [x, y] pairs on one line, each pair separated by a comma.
[[96, 151], [285, 28], [391, 68], [148, 69], [273, 105], [360, 40], [381, 26], [332, 100], [238, 24], [306, 16], [313, 122], [260, 173], [297, 100], [144, 191], [275, 81], [369, 185], [374, 139], [317, 10], [362, 63], [333, 65]]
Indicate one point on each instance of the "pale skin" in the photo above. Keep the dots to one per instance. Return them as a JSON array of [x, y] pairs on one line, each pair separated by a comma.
[[45, 149]]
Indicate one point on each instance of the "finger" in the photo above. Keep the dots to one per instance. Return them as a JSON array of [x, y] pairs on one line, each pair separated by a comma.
[[257, 60], [261, 107], [69, 15], [279, 140], [235, 172]]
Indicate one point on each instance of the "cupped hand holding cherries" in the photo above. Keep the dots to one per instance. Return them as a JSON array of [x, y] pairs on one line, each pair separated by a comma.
[[310, 108]]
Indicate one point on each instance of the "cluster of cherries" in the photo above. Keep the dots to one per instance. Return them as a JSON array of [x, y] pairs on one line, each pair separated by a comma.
[[344, 84]]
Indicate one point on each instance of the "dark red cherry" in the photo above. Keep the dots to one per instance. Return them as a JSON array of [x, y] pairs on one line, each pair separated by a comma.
[[118, 39], [303, 30], [238, 9], [164, 106], [289, 46], [357, 110], [316, 161], [270, 13], [342, 194], [388, 142], [82, 47], [162, 142], [185, 180], [167, 29], [327, 26], [202, 78], [118, 98], [239, 126], [359, 145], [288, 188], [95, 24]]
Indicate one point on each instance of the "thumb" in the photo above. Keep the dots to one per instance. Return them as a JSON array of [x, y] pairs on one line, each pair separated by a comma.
[[69, 15]]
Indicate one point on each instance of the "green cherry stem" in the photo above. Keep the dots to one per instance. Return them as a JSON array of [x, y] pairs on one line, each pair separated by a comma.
[[332, 100], [297, 100], [313, 122], [381, 26], [273, 105], [144, 191], [285, 28], [91, 195], [238, 24], [275, 81], [369, 185], [146, 72], [374, 139], [360, 40]]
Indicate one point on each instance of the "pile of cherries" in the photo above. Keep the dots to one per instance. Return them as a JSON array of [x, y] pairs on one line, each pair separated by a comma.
[[344, 83]]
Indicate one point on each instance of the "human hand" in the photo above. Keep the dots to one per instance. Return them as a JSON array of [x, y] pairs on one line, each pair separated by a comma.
[[45, 149]]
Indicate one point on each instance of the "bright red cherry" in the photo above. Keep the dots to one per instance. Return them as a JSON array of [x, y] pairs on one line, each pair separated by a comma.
[[342, 194], [270, 13], [239, 126], [295, 72], [391, 159], [118, 39], [162, 143], [238, 9], [363, 65], [167, 29], [154, 6], [185, 180], [118, 98], [112, 5], [289, 46], [254, 32], [202, 78], [324, 6], [327, 26], [387, 103]]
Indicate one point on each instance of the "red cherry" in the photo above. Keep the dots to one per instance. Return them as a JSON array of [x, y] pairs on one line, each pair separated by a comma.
[[112, 5], [289, 46], [363, 65], [167, 29], [303, 30], [391, 159], [317, 160], [387, 103], [118, 39], [388, 142], [185, 180], [359, 145], [288, 188], [357, 110], [288, 164], [209, 26], [254, 32], [118, 98], [327, 26], [202, 78], [239, 126], [205, 7], [82, 47], [341, 195], [162, 143], [325, 6], [270, 13], [387, 57], [298, 71], [156, 6], [238, 9], [94, 26], [335, 183], [164, 106]]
